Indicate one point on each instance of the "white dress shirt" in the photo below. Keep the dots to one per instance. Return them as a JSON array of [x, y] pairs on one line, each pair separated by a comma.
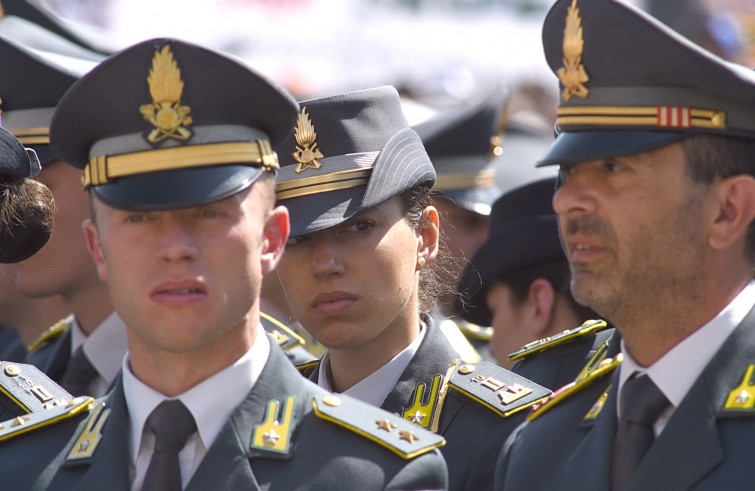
[[105, 348], [231, 385], [676, 372], [374, 388]]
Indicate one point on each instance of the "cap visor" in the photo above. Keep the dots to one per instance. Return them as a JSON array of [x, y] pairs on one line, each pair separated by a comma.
[[177, 189], [574, 147], [314, 212]]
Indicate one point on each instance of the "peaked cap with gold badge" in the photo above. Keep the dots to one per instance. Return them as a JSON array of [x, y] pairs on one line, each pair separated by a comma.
[[462, 144], [44, 65], [348, 153], [166, 124], [652, 88]]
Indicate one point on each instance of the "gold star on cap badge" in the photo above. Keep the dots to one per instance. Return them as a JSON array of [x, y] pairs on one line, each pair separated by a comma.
[[573, 75], [306, 153], [409, 436], [384, 424]]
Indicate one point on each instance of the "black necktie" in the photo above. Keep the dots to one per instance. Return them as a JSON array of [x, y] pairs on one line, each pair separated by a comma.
[[172, 425], [641, 405], [78, 374]]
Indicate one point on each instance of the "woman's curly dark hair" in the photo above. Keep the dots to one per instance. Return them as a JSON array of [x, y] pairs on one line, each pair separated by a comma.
[[432, 283]]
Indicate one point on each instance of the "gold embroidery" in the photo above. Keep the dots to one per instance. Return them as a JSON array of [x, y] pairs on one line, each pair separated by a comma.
[[573, 75]]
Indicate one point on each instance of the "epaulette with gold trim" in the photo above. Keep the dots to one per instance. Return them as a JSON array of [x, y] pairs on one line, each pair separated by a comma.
[[474, 331], [281, 333], [28, 389], [605, 367], [500, 390], [306, 369], [34, 421], [398, 435], [52, 333], [567, 336]]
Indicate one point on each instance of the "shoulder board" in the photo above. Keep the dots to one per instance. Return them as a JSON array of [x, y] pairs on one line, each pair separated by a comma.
[[29, 389], [740, 400], [589, 327], [30, 422], [398, 435], [500, 390], [605, 367], [281, 333], [474, 331], [51, 333], [306, 369]]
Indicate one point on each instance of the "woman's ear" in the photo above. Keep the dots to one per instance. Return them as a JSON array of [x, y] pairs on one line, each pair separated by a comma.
[[429, 235]]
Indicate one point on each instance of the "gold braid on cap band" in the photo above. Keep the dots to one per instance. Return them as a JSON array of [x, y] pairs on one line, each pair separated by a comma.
[[447, 182], [323, 183], [32, 136], [104, 168], [659, 116]]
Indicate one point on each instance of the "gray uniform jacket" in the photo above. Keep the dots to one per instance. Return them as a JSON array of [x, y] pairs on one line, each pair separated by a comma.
[[470, 415], [325, 443], [707, 443]]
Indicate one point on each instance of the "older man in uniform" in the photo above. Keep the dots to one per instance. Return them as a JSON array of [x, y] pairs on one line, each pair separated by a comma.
[[656, 213], [175, 143]]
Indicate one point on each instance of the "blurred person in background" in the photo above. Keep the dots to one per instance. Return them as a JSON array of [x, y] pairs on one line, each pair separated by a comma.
[[462, 144], [518, 283], [23, 318]]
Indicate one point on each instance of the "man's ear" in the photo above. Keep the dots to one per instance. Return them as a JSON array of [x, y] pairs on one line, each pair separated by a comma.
[[734, 210], [276, 232], [429, 235], [94, 245], [542, 299]]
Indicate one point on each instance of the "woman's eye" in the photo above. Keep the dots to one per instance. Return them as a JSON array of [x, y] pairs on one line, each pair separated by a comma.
[[361, 226]]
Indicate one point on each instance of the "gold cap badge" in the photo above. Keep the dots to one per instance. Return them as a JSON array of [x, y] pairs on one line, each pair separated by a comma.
[[166, 113], [573, 75], [306, 153]]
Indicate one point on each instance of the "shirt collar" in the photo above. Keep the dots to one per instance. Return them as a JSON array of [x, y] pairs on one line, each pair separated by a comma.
[[211, 402], [105, 347], [374, 388], [677, 370]]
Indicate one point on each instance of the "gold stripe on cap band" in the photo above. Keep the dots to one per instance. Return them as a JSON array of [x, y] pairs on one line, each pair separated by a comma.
[[449, 182], [103, 168], [659, 116], [32, 136], [323, 183]]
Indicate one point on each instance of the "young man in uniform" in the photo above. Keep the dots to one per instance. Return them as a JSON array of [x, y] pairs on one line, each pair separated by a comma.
[[656, 208], [175, 143]]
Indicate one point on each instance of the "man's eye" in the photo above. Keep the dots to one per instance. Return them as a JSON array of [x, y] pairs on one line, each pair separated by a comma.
[[135, 218]]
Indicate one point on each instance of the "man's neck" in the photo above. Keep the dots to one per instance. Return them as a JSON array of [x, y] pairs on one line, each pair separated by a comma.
[[91, 306]]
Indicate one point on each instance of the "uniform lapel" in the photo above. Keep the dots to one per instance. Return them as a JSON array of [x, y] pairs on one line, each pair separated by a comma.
[[589, 467], [690, 445], [432, 358], [231, 456], [110, 461]]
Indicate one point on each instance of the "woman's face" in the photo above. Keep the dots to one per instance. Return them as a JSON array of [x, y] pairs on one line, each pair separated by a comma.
[[354, 286]]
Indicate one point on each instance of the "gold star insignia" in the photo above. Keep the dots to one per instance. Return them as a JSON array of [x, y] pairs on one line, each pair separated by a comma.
[[20, 420], [417, 417], [384, 424], [271, 437], [84, 445], [743, 397], [409, 436]]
